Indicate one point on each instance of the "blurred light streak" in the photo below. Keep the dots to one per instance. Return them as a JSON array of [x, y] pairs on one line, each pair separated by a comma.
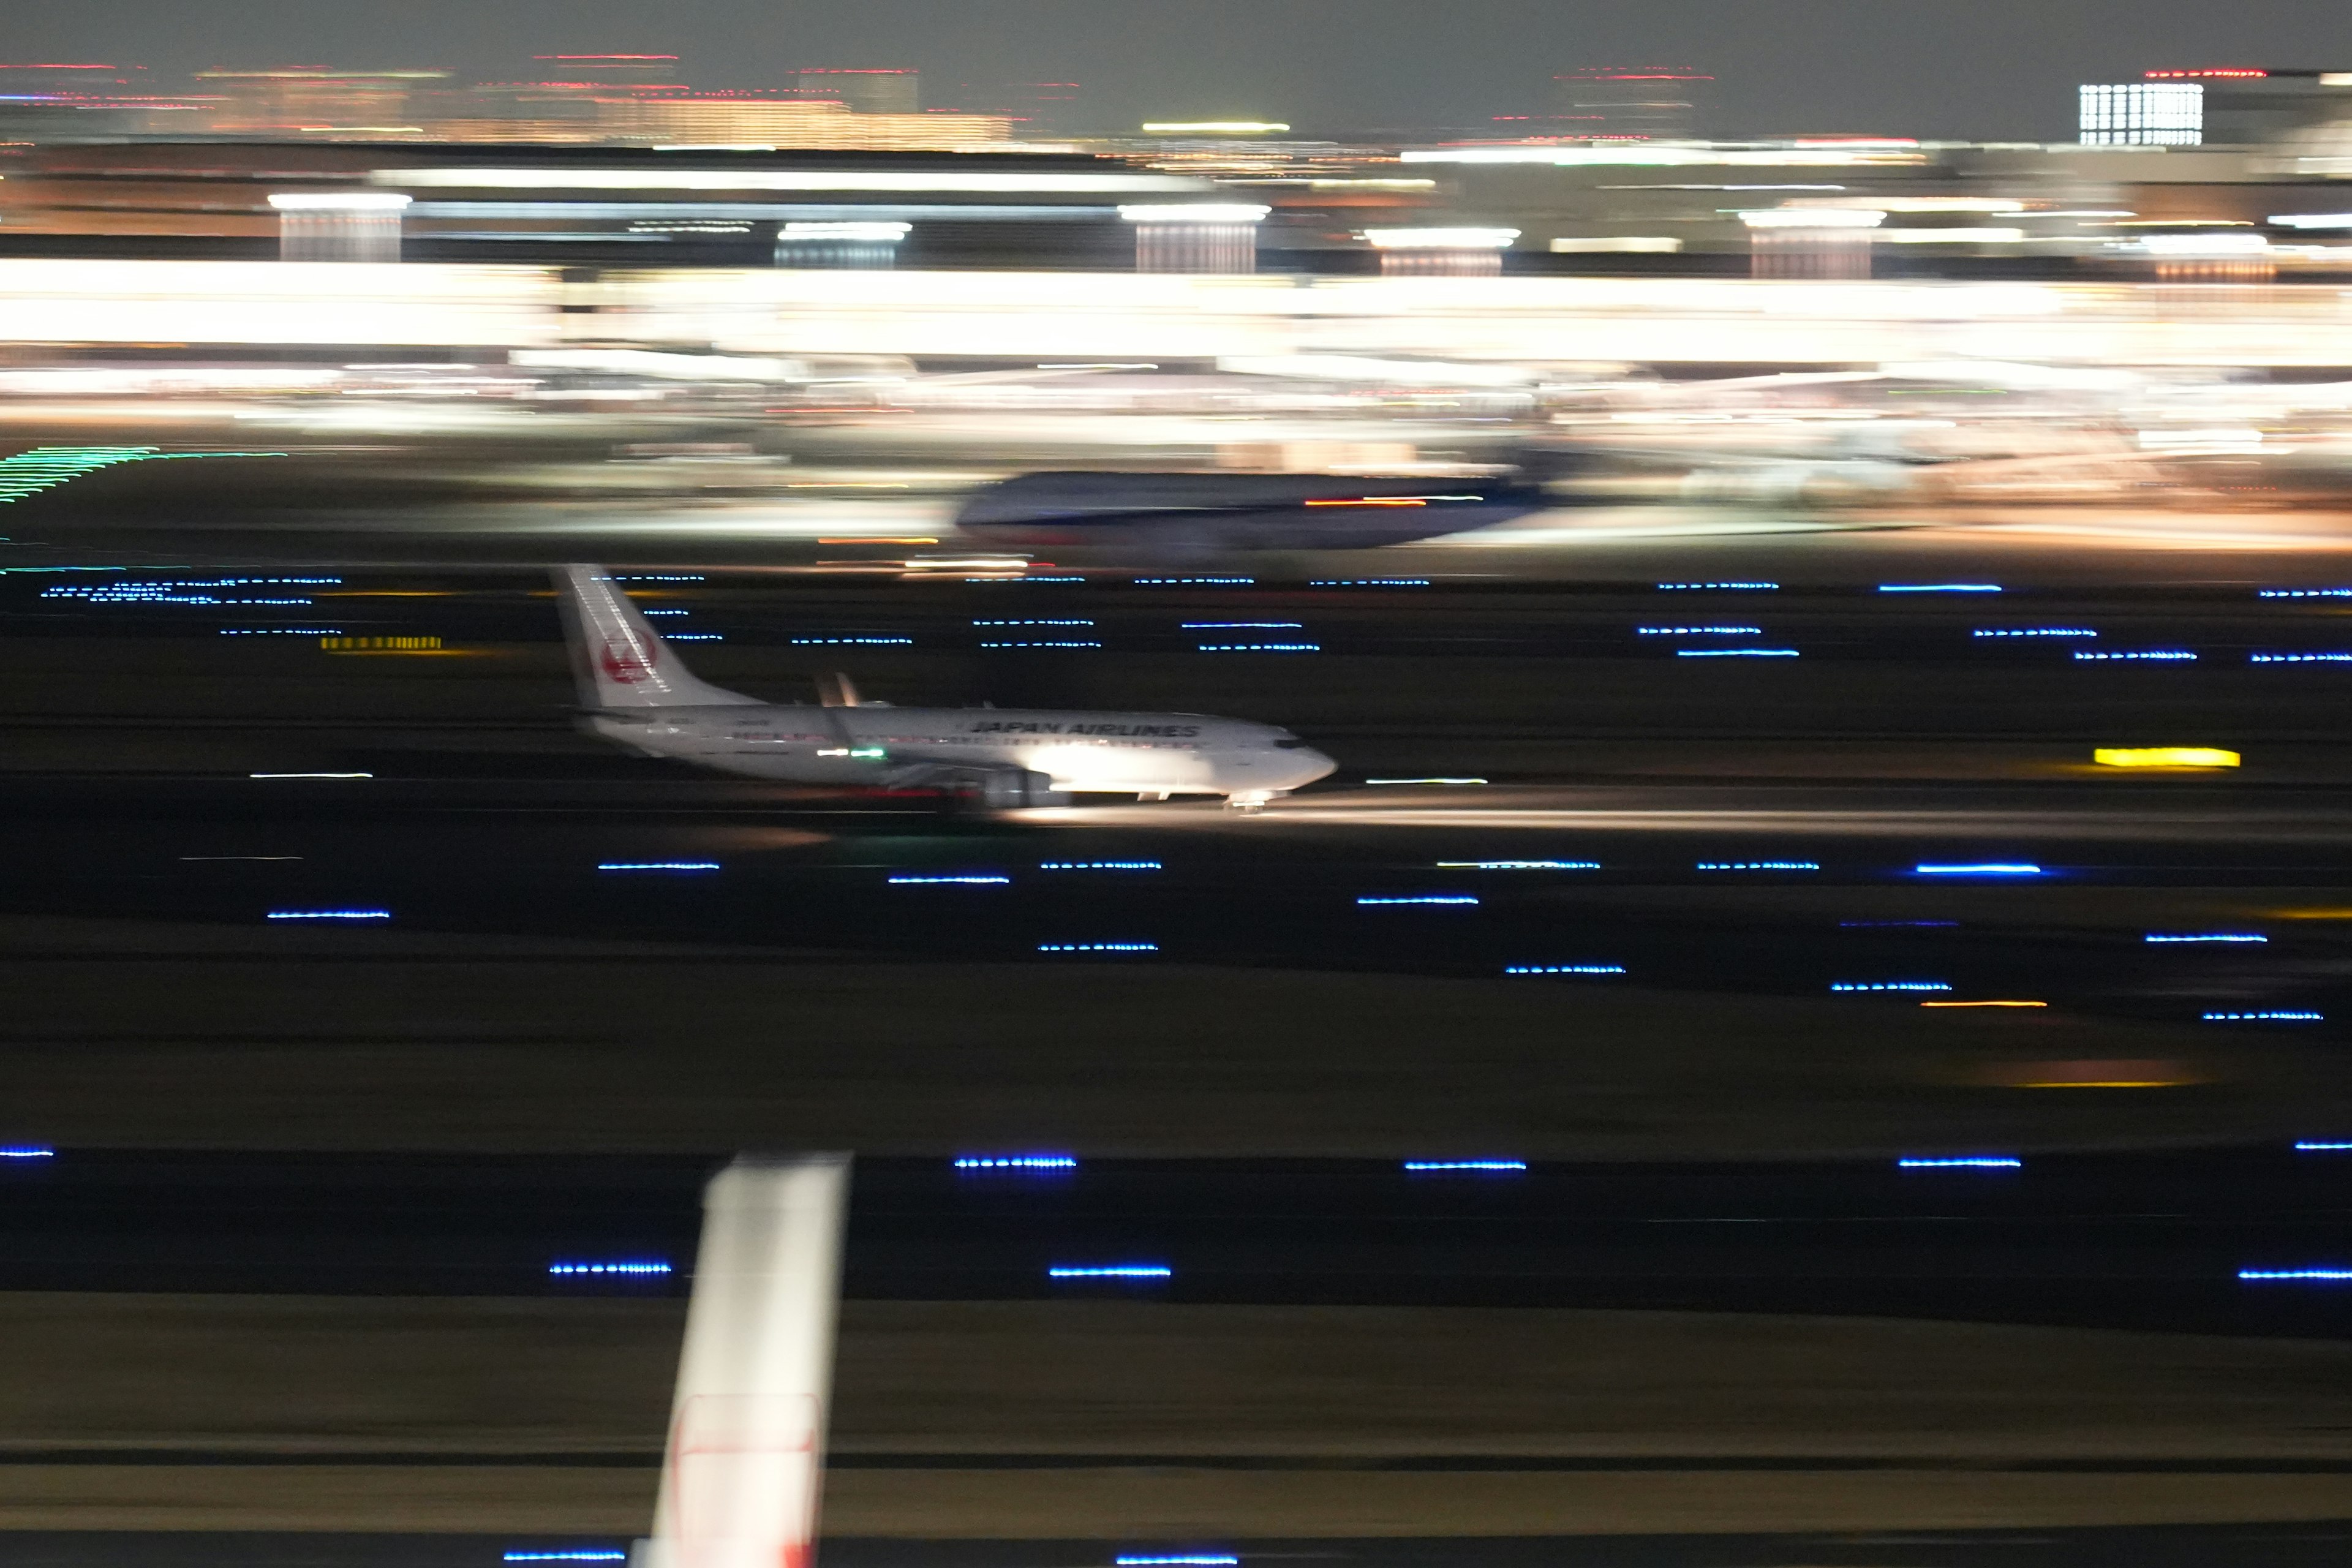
[[647, 1267], [1736, 653], [2173, 656], [658, 866], [1049, 643], [1193, 581], [1421, 899], [2299, 658], [2164, 757], [2319, 1146], [1758, 865], [1742, 587], [583, 1556], [2306, 1276], [1514, 1166], [974, 880], [1961, 1161], [1017, 1162], [1939, 587], [2034, 632], [2205, 936], [1260, 647], [1242, 626], [668, 179], [1109, 1272], [1889, 985], [1098, 947], [329, 914], [1519, 865], [2270, 1016], [2304, 593], [27, 1151], [862, 642], [1564, 969], [1370, 582], [1424, 781], [1098, 866], [1985, 868], [1189, 1558], [1984, 1003], [1063, 623], [1697, 631]]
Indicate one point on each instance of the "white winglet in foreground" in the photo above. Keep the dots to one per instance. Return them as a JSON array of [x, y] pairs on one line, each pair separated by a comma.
[[638, 692], [746, 1460]]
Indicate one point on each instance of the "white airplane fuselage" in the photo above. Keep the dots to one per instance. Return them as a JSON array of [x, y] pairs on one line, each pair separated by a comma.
[[1127, 754]]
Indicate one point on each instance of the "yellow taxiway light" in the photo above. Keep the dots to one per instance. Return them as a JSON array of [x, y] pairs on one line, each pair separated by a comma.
[[2164, 757]]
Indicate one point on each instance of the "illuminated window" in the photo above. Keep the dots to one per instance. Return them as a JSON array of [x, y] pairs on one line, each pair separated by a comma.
[[2143, 114]]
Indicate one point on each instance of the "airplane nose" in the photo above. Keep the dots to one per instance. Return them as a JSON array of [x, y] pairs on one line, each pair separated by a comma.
[[1312, 765]]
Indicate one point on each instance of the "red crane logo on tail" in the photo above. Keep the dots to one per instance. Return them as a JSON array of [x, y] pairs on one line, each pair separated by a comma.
[[624, 665]]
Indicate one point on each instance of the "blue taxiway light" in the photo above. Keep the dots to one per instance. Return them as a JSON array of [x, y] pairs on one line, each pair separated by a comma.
[[662, 577], [1519, 865], [1736, 653], [1889, 985], [1061, 623], [2204, 936], [330, 914], [1024, 579], [1976, 869], [1042, 642], [1017, 1163], [309, 776], [1110, 1271], [1759, 865], [2271, 1015], [2323, 1146], [1563, 969], [1098, 866], [1370, 582], [1259, 646], [2034, 632], [647, 1267], [27, 1151], [594, 1556], [658, 866], [2160, 656], [1697, 631], [1179, 1560], [2312, 1276], [1742, 587], [1242, 626], [1424, 898], [1939, 587], [861, 642], [1445, 1165], [1961, 1162], [1098, 947], [2303, 593], [972, 881], [2299, 658], [1194, 582]]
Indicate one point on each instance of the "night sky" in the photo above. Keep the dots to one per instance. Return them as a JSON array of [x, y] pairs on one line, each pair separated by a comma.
[[1981, 69]]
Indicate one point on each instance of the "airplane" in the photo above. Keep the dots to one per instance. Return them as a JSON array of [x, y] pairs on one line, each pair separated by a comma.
[[635, 690]]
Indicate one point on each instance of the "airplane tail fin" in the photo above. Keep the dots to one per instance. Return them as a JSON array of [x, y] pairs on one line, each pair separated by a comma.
[[618, 659], [745, 1467]]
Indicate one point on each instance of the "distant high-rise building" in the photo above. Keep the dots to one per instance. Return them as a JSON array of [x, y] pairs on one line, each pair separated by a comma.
[[868, 89], [1644, 103], [1034, 107], [2142, 114], [2251, 105], [314, 101]]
